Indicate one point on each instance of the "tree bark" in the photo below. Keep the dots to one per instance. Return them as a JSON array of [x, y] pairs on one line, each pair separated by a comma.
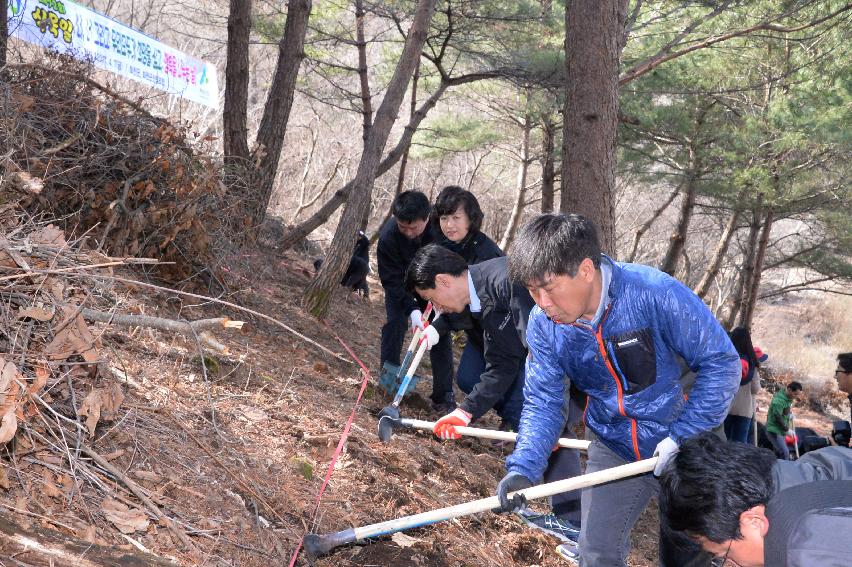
[[677, 241], [235, 111], [4, 41], [743, 284], [400, 178], [279, 102], [38, 546], [593, 30], [403, 162], [523, 169], [637, 236], [548, 169], [363, 77], [747, 313], [364, 80], [317, 296], [712, 270]]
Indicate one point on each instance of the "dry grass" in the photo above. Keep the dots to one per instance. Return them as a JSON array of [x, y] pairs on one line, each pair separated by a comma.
[[803, 336]]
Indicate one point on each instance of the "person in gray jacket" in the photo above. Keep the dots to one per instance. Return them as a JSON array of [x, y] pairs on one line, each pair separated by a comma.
[[747, 507]]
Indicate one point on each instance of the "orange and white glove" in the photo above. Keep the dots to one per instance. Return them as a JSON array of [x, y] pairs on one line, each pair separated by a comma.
[[445, 428]]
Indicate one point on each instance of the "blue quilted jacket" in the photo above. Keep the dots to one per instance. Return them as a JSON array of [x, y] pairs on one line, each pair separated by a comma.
[[630, 365]]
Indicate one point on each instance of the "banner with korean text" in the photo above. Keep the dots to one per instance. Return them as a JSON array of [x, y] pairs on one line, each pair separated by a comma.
[[66, 27]]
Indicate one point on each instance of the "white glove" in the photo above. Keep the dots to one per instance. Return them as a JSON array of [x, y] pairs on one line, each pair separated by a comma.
[[431, 336], [666, 450], [416, 319]]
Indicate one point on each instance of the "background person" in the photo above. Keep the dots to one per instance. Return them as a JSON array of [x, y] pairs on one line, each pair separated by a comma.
[[843, 375], [738, 423], [779, 417], [399, 239]]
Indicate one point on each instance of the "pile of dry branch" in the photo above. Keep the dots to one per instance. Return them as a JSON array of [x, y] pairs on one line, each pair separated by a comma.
[[130, 182], [55, 388]]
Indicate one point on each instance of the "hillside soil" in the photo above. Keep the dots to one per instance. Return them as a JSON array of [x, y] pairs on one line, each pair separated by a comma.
[[235, 452]]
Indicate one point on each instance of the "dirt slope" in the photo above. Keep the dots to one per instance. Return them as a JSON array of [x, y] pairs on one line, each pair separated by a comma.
[[237, 459]]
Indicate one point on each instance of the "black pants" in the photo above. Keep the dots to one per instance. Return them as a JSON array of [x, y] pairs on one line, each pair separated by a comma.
[[393, 335]]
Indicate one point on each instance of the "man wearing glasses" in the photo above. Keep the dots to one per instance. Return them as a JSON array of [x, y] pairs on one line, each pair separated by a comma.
[[843, 375], [749, 508]]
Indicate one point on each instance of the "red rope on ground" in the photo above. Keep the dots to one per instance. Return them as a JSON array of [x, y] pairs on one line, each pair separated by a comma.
[[340, 443]]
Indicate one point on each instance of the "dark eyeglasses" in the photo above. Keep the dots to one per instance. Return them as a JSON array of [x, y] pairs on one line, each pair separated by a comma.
[[836, 372], [720, 561]]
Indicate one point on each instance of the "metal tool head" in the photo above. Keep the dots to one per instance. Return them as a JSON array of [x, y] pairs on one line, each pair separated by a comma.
[[386, 426], [390, 411], [321, 544]]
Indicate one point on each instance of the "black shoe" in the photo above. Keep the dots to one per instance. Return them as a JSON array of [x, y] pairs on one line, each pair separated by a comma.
[[446, 404]]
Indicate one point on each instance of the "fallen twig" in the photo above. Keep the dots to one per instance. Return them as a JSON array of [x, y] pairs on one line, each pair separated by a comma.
[[159, 323], [137, 491], [223, 302]]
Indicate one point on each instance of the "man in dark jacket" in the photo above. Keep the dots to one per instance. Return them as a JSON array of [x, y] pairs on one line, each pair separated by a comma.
[[619, 332], [774, 512], [499, 311], [399, 240]]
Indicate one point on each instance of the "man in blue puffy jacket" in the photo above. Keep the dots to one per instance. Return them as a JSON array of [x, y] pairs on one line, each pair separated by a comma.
[[620, 333]]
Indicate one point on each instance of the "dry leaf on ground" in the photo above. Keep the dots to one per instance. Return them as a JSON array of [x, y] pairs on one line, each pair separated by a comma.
[[9, 426], [101, 403], [127, 520], [73, 338], [49, 235], [34, 312], [403, 540]]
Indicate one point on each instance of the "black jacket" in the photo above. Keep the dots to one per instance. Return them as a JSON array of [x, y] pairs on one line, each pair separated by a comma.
[[502, 322], [475, 249], [810, 515], [394, 253]]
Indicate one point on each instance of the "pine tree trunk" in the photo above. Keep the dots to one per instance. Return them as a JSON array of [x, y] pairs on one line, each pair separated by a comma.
[[279, 102], [548, 169], [400, 179], [300, 231], [593, 30], [403, 163], [703, 286], [523, 169], [747, 314], [751, 255], [677, 241], [318, 294], [366, 95], [235, 111], [734, 301], [4, 42], [363, 78], [637, 236]]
